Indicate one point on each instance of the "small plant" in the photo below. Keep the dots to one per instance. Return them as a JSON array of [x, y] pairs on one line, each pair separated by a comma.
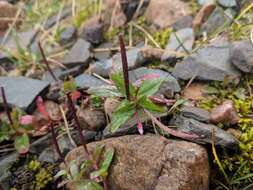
[[84, 175], [16, 129]]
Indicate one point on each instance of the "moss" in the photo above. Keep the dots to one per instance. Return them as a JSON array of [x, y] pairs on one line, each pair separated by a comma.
[[111, 33], [162, 36]]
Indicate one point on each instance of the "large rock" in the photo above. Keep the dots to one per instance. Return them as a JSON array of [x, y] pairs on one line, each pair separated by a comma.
[[195, 113], [79, 54], [209, 63], [164, 13], [205, 132], [180, 41], [242, 56], [85, 81], [21, 92], [7, 11], [67, 35], [152, 162]]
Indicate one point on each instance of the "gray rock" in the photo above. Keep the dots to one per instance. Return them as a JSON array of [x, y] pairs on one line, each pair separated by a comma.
[[67, 35], [195, 113], [104, 55], [203, 2], [205, 132], [184, 22], [169, 86], [85, 81], [79, 54], [209, 63], [102, 68], [219, 19], [242, 56], [24, 40], [21, 92], [180, 41], [5, 165], [228, 3]]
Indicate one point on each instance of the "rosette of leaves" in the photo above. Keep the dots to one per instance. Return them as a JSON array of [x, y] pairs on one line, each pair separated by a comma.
[[84, 176]]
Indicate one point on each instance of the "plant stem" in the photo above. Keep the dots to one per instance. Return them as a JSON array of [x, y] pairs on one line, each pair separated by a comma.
[[124, 65], [5, 104], [46, 62]]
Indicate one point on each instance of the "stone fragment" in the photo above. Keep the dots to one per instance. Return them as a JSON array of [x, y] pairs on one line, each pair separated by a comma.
[[195, 113], [67, 35], [85, 81]]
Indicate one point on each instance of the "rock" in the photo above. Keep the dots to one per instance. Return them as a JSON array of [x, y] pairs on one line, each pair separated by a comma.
[[24, 38], [62, 74], [224, 113], [183, 22], [180, 41], [79, 54], [134, 58], [242, 56], [235, 132], [205, 132], [103, 55], [218, 19], [194, 91], [93, 30], [164, 13], [102, 68], [21, 92], [152, 162], [7, 11], [169, 86], [228, 3], [67, 35], [85, 81], [5, 166], [209, 63], [92, 119], [203, 2], [195, 113], [130, 7]]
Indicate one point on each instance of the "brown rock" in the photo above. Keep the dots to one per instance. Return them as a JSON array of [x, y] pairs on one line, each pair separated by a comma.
[[152, 162], [224, 113], [194, 92], [7, 14], [164, 13], [110, 105], [92, 119]]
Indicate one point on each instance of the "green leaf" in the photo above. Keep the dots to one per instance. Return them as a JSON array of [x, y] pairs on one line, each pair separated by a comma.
[[22, 144], [5, 131], [104, 91], [87, 185], [149, 87], [145, 103], [103, 171], [73, 168], [60, 173], [117, 78], [177, 103], [69, 86], [97, 153], [123, 112]]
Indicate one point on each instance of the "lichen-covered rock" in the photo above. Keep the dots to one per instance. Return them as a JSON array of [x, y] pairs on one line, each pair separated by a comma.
[[153, 162]]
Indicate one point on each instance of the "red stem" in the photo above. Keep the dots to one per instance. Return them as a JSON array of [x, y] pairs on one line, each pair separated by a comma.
[[46, 62], [5, 104], [124, 65]]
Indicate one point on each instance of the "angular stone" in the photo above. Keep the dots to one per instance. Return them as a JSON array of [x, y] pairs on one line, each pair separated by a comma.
[[21, 92], [205, 132], [195, 113], [68, 35], [152, 162], [93, 30], [79, 54], [242, 56], [180, 41], [183, 22], [228, 3], [103, 55], [164, 13], [209, 63], [203, 2], [85, 81], [102, 68]]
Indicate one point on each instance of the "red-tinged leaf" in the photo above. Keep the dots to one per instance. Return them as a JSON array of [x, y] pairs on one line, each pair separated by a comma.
[[42, 108], [139, 124], [161, 100], [75, 95], [27, 119], [22, 144], [146, 77]]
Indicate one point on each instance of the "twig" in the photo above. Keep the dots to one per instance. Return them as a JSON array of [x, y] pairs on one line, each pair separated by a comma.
[[173, 132], [5, 104], [110, 49], [46, 63], [101, 78], [130, 35], [149, 36], [67, 127], [124, 65], [136, 14]]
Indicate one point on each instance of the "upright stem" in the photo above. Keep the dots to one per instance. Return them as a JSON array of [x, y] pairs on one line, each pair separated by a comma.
[[5, 104], [46, 62], [124, 65]]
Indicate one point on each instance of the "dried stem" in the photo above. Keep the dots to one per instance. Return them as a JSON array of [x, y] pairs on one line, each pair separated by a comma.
[[5, 104], [46, 62], [124, 65]]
